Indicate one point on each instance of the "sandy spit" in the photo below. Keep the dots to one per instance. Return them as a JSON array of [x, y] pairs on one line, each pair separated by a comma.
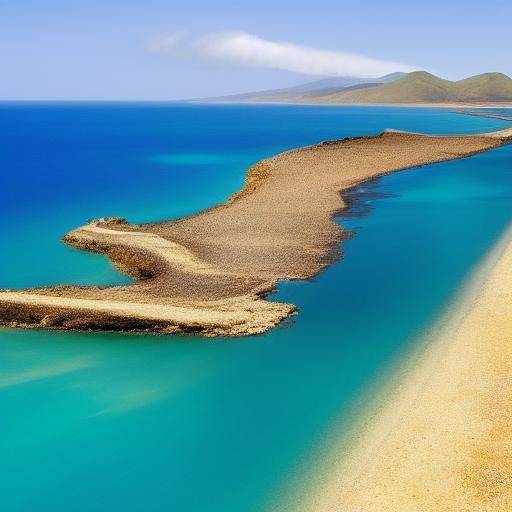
[[190, 272]]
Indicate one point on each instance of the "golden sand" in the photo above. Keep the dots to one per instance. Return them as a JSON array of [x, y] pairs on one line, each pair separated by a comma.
[[210, 273], [443, 441]]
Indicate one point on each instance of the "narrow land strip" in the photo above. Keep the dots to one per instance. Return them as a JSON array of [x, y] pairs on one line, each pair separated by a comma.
[[502, 117], [230, 257]]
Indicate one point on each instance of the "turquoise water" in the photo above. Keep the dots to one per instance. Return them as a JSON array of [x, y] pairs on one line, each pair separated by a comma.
[[151, 423]]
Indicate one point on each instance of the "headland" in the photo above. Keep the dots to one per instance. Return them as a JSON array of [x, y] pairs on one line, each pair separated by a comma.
[[211, 273]]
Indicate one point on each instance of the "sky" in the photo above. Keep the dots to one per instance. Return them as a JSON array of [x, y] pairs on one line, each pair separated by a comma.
[[168, 49]]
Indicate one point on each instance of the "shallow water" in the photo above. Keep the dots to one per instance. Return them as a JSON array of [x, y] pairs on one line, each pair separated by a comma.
[[130, 422]]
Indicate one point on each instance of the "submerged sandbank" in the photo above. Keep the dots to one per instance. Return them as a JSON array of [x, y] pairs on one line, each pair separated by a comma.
[[502, 117], [210, 273], [441, 441]]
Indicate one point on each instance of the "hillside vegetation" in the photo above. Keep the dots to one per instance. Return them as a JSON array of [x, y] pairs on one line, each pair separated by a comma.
[[423, 87]]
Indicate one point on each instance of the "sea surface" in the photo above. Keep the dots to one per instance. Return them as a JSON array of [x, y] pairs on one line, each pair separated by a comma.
[[97, 422]]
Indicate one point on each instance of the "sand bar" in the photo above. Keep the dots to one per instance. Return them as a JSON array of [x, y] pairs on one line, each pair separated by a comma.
[[442, 442], [230, 257], [489, 115]]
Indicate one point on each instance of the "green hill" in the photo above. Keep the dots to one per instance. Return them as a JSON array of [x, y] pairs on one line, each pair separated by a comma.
[[423, 87]]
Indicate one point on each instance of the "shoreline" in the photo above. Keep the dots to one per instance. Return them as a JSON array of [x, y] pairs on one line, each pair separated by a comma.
[[387, 105], [435, 435], [211, 272]]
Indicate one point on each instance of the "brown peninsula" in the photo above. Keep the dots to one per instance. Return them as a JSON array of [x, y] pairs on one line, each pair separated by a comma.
[[211, 273]]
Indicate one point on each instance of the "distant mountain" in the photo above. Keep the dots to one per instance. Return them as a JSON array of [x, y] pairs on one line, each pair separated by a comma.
[[419, 87], [342, 82], [422, 87], [301, 93]]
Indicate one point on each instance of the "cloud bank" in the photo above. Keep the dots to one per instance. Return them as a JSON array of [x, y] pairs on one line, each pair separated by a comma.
[[241, 48]]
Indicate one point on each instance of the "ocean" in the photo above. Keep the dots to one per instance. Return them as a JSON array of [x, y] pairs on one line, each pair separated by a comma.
[[149, 423]]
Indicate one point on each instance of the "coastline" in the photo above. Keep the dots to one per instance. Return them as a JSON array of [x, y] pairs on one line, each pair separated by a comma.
[[319, 104], [434, 436], [211, 272]]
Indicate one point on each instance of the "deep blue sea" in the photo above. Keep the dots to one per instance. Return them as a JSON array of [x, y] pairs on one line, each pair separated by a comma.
[[97, 422]]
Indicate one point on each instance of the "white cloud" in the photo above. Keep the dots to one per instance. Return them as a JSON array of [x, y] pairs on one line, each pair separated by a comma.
[[165, 43], [241, 48]]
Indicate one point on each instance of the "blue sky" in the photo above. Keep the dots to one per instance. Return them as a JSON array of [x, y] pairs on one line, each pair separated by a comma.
[[161, 50]]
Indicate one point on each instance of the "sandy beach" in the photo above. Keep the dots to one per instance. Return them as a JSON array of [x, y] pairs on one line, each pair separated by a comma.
[[441, 442], [210, 273]]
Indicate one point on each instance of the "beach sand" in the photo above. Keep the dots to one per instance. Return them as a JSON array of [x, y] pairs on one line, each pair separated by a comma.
[[210, 273], [443, 439]]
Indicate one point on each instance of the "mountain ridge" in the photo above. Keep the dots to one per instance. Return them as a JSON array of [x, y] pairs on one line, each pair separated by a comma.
[[416, 88], [296, 93]]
